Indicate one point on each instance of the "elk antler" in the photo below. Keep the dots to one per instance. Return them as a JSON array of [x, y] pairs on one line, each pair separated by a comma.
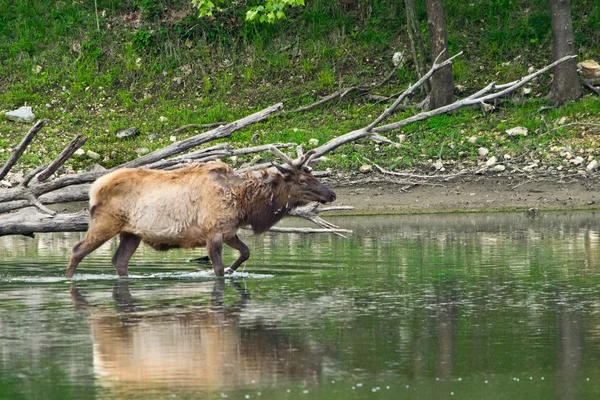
[[300, 162]]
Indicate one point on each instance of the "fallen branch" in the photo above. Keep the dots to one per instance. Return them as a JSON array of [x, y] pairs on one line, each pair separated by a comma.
[[71, 148], [18, 151], [197, 126]]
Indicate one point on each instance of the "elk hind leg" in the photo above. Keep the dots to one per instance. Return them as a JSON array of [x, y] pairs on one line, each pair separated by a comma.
[[128, 244], [240, 246]]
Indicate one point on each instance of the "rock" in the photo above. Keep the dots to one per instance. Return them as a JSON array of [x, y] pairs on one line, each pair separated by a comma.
[[128, 133], [22, 114], [365, 168], [79, 152], [592, 165], [483, 152], [163, 119], [589, 69], [93, 155], [507, 157], [473, 139], [5, 184], [96, 168], [526, 91], [530, 167], [401, 138], [142, 150], [577, 160], [438, 165], [233, 159], [499, 168], [313, 142], [397, 58], [517, 131], [491, 162], [530, 70], [173, 138]]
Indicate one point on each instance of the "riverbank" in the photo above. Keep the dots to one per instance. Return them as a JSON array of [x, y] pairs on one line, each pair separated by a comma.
[[472, 194]]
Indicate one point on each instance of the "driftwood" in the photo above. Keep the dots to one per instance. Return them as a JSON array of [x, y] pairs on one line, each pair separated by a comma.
[[38, 192]]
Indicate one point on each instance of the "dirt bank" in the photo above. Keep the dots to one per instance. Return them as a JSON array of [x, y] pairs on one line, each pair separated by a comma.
[[474, 194]]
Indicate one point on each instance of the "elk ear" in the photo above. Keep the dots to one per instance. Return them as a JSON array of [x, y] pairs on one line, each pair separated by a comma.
[[282, 169]]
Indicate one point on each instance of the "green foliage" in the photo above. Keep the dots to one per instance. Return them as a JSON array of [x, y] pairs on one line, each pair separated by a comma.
[[141, 39], [268, 11]]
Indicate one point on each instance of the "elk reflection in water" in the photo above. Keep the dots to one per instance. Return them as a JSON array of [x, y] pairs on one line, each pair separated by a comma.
[[195, 346]]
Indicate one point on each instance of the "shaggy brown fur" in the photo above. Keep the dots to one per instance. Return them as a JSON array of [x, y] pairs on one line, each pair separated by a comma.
[[199, 205]]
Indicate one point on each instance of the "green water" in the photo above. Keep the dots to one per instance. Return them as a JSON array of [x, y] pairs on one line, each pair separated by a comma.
[[495, 306]]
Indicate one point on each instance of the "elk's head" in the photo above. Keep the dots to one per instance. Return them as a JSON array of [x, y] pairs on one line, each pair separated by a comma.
[[301, 185]]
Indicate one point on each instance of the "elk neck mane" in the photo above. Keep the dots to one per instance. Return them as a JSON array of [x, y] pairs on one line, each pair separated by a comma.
[[263, 199]]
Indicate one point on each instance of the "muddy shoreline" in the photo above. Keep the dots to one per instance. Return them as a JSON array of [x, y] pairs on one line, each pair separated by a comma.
[[474, 194]]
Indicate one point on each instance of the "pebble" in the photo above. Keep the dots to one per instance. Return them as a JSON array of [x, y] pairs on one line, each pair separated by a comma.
[[142, 150], [483, 151], [517, 131], [313, 142], [592, 165], [491, 162], [365, 168], [499, 168], [163, 119], [128, 133], [473, 139], [93, 155]]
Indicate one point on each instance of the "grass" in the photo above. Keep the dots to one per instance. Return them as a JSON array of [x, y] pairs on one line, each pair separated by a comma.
[[155, 58]]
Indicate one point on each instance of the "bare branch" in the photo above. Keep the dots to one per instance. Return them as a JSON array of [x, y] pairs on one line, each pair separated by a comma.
[[68, 151], [18, 151], [197, 126]]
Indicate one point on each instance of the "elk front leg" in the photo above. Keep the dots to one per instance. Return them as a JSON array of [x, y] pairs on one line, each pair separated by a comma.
[[215, 247], [240, 246]]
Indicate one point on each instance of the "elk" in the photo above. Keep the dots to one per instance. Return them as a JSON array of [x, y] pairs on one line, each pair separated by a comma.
[[203, 204]]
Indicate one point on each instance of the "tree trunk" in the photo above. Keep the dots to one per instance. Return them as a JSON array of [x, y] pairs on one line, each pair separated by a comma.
[[565, 85], [441, 82], [417, 46]]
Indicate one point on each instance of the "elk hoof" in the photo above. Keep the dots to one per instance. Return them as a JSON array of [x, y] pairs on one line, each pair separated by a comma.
[[229, 271]]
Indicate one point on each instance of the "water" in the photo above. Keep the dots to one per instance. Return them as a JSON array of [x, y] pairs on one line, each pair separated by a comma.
[[497, 306]]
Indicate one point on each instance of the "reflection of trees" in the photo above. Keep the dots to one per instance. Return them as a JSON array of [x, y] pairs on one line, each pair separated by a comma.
[[569, 348], [193, 346]]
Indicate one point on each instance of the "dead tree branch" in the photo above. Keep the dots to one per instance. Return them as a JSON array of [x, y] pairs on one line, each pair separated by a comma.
[[18, 151], [71, 148]]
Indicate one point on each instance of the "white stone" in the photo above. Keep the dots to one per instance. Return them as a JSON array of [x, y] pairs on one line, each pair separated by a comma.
[[483, 151], [530, 167], [163, 119], [577, 160], [473, 139], [438, 165], [401, 138], [93, 155], [173, 139], [526, 91], [499, 168], [397, 58], [491, 162], [507, 157], [313, 142], [142, 150], [5, 184], [22, 114], [592, 165], [79, 152], [517, 131], [365, 168]]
